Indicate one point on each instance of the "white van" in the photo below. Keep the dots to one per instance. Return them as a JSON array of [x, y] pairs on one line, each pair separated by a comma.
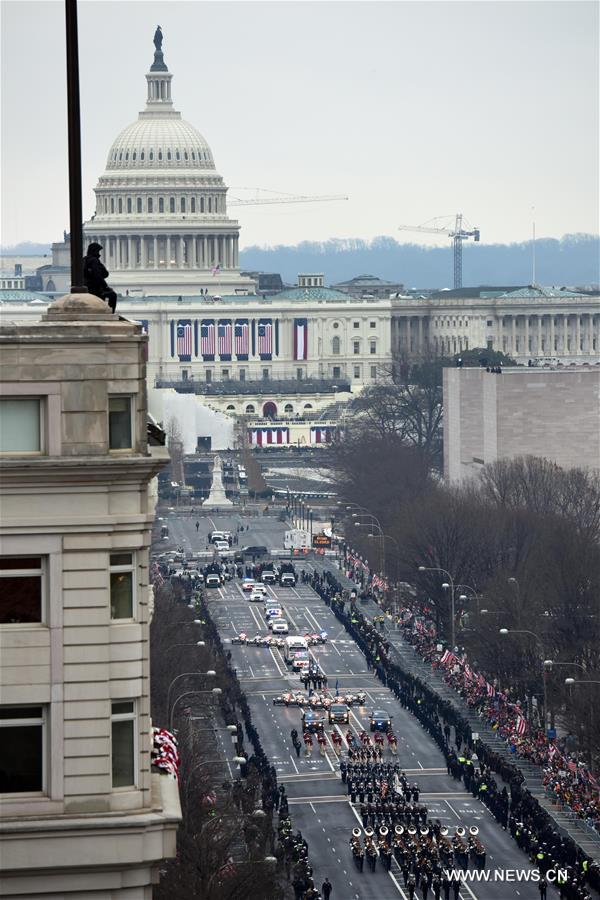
[[294, 644]]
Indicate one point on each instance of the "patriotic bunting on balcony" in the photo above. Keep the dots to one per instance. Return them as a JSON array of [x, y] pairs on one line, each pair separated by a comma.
[[264, 437], [300, 338], [225, 339], [241, 339], [322, 434], [207, 339], [184, 340]]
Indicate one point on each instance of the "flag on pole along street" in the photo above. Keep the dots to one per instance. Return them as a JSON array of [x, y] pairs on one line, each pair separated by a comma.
[[207, 339], [224, 338], [265, 338], [300, 338], [216, 269], [241, 338], [184, 340]]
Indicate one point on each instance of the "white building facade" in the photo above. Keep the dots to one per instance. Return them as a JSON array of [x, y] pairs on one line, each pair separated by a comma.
[[82, 812]]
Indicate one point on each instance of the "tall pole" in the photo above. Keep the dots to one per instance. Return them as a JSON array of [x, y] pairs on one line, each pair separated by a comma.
[[74, 131]]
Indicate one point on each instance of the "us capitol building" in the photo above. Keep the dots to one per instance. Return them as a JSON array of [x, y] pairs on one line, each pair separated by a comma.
[[172, 253]]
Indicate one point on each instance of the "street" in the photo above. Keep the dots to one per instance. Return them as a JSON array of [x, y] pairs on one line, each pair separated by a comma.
[[319, 804]]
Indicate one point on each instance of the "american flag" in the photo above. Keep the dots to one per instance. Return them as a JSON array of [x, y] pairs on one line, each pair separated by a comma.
[[184, 339], [300, 338], [490, 689], [265, 335], [224, 338], [207, 337], [241, 338], [521, 726]]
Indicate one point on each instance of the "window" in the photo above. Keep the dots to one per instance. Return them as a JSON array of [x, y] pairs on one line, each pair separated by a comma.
[[120, 204], [142, 154], [337, 372], [356, 347], [357, 371], [122, 728], [288, 408], [224, 374], [182, 204], [193, 205], [169, 155], [21, 589], [372, 324], [129, 208], [265, 374], [208, 376], [336, 324], [151, 155], [210, 204], [242, 374], [356, 324], [150, 205], [299, 374], [21, 749], [373, 372], [139, 204], [335, 346], [112, 204], [250, 408], [20, 425], [490, 322], [177, 156], [308, 406], [119, 423], [121, 585], [372, 347], [161, 204], [230, 407], [172, 204]]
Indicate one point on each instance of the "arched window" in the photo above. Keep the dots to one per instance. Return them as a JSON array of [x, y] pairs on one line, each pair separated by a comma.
[[210, 204], [129, 204], [168, 154], [160, 154], [182, 204], [250, 408], [139, 204], [127, 156], [335, 346], [142, 155], [161, 204], [106, 204], [193, 205], [288, 408], [185, 154], [134, 155], [230, 408], [177, 155], [308, 406], [194, 155], [120, 156], [172, 204], [120, 205], [150, 204], [151, 155], [201, 204], [112, 204]]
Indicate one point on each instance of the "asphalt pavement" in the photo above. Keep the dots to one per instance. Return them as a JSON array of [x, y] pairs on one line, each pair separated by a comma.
[[319, 804]]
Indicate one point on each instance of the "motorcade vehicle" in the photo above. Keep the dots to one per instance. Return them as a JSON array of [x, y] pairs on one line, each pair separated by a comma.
[[221, 545], [313, 721], [294, 644], [255, 597], [380, 720], [248, 584], [260, 589], [213, 580], [287, 575], [339, 713], [220, 536], [273, 612], [278, 626], [268, 576], [254, 551]]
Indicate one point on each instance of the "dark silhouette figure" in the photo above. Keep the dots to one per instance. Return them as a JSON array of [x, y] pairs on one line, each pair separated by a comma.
[[158, 38], [95, 275]]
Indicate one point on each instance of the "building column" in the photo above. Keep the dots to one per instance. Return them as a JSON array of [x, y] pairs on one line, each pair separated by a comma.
[[590, 333], [565, 330], [168, 252], [552, 335], [527, 335], [155, 248], [538, 346], [236, 252], [143, 251], [179, 251], [129, 253], [204, 251], [578, 350], [420, 334], [194, 253], [514, 335]]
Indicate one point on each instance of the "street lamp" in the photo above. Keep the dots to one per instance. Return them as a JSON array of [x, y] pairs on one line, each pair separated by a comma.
[[210, 674], [445, 586], [197, 644], [544, 667], [215, 692], [571, 681]]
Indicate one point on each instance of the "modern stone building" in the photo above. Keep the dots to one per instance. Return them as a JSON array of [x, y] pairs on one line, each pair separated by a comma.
[[550, 412], [82, 813]]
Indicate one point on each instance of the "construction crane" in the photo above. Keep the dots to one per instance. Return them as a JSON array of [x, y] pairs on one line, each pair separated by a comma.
[[458, 234], [277, 197]]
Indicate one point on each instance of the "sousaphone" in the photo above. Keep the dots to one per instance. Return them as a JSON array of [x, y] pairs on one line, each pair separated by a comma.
[[356, 832], [473, 830], [368, 832], [383, 831], [460, 831], [399, 830]]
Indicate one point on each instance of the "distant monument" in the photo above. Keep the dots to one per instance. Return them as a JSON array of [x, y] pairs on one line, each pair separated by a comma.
[[217, 497]]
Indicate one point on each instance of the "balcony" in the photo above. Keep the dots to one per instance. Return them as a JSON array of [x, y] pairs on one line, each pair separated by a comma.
[[264, 387]]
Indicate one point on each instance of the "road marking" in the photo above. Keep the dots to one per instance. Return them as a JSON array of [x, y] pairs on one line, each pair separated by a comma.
[[272, 652], [294, 764]]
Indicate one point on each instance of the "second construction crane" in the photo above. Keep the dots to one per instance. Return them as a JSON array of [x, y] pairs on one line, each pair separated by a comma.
[[458, 233]]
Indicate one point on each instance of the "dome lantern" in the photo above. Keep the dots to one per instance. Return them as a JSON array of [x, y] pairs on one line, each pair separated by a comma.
[[159, 80]]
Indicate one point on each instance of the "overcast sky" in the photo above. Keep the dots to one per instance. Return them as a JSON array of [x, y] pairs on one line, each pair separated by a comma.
[[412, 109]]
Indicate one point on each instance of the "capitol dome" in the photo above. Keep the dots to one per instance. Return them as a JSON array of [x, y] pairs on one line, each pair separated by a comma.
[[161, 206]]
